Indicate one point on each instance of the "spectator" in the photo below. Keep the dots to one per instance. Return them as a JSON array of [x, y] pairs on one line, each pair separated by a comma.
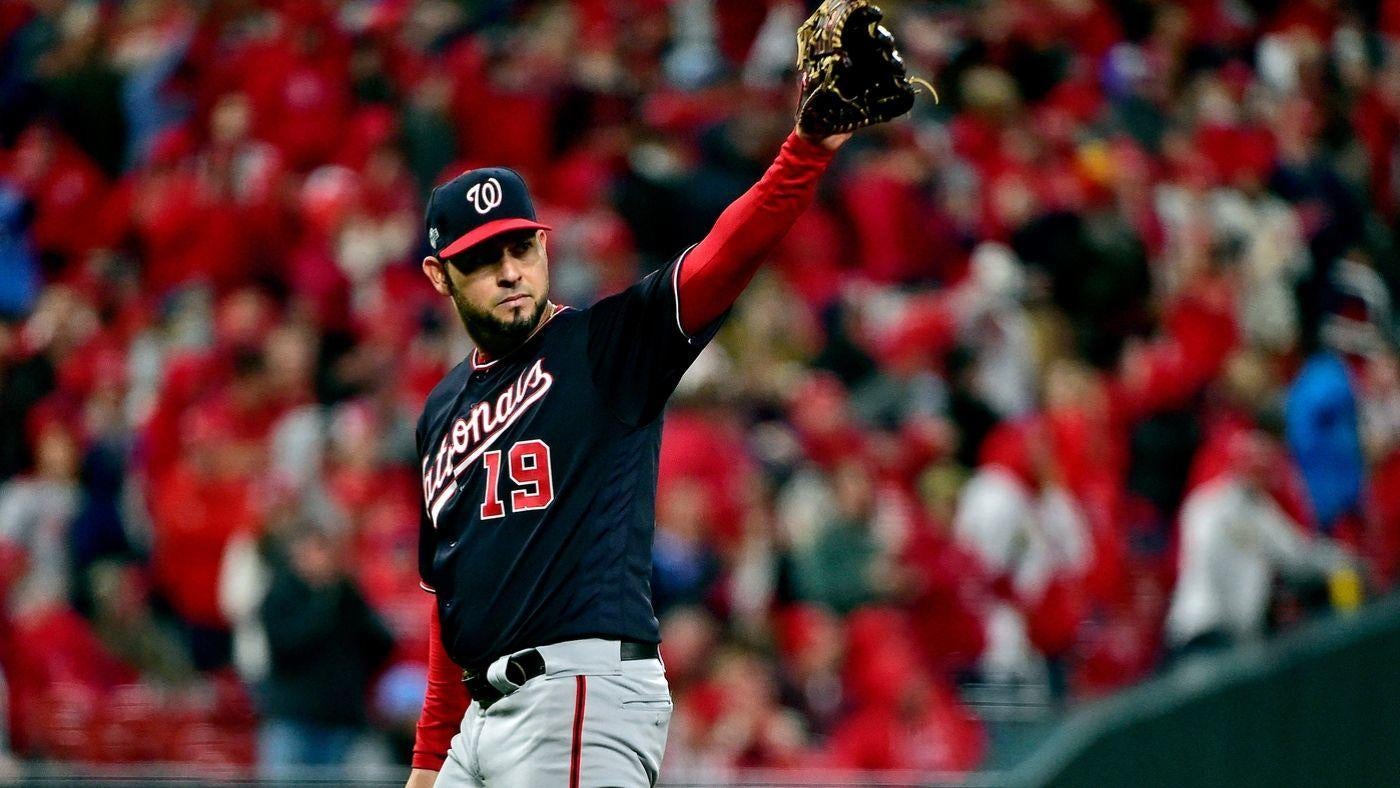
[[33, 359], [944, 586], [123, 619], [84, 87], [1235, 540], [684, 566], [155, 41], [197, 507], [903, 718], [36, 513], [19, 265], [747, 727], [846, 565], [812, 651], [1032, 537], [326, 645], [1381, 432], [923, 729], [1323, 433]]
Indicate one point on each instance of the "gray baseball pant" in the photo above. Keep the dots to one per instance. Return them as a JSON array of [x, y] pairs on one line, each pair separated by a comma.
[[591, 720]]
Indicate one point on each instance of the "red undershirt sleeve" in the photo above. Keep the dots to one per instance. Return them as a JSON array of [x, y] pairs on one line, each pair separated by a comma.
[[444, 704], [718, 269]]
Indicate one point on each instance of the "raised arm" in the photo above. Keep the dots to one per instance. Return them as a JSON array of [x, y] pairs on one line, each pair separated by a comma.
[[850, 76], [719, 268]]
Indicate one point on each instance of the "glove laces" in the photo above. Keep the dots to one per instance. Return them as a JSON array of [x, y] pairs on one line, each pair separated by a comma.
[[925, 84]]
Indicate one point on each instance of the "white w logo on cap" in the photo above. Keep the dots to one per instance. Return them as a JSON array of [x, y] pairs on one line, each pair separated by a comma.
[[485, 195]]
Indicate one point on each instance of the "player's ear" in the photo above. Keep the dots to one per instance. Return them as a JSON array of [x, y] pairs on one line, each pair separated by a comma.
[[436, 271], [542, 238]]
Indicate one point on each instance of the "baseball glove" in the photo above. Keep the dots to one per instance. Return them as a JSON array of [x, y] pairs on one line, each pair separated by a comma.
[[851, 74]]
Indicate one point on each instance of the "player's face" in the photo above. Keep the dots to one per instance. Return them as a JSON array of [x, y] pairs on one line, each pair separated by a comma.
[[498, 286]]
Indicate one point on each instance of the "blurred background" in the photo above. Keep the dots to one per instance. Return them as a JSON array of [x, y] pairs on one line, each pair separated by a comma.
[[1080, 378]]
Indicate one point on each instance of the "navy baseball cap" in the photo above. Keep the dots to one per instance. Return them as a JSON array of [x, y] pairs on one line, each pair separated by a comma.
[[477, 205]]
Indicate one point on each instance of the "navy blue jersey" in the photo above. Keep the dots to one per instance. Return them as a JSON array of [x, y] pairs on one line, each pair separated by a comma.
[[539, 477]]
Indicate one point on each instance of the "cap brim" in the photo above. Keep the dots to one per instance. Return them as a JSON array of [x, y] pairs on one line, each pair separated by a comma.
[[490, 230]]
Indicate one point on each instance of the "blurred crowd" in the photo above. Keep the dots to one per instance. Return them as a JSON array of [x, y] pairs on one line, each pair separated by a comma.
[[1088, 368]]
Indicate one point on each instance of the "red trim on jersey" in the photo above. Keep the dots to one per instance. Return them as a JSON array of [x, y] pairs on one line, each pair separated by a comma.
[[476, 355], [444, 703], [713, 274], [576, 756]]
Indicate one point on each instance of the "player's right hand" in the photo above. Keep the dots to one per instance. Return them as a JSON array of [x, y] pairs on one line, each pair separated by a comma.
[[421, 778]]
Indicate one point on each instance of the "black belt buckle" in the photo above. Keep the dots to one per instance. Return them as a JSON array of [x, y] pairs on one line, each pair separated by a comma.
[[479, 688], [519, 669]]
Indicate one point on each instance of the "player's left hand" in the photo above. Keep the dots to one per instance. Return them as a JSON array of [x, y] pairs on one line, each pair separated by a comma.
[[850, 72]]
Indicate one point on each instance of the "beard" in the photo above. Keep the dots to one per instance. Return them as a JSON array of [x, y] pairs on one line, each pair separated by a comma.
[[494, 336]]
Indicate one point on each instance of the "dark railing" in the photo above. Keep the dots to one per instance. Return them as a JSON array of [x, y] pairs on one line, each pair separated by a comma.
[[1317, 707]]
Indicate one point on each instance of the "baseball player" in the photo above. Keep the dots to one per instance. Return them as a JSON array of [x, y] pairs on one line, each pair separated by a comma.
[[539, 455], [539, 461]]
